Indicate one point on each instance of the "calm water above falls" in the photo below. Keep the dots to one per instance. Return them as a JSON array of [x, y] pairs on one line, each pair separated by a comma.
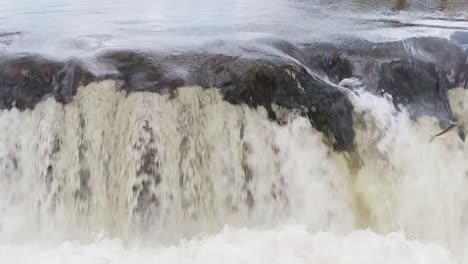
[[82, 27]]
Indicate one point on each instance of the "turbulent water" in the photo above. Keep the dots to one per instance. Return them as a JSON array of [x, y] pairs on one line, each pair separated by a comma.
[[189, 178], [131, 170]]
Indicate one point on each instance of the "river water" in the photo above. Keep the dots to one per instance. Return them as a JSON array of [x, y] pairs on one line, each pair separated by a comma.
[[83, 27], [218, 182]]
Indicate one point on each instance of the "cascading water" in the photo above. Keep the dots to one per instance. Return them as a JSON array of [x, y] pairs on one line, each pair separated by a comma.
[[405, 182], [121, 177], [179, 166]]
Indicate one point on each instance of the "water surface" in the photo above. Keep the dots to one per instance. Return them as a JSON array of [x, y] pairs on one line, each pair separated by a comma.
[[83, 27]]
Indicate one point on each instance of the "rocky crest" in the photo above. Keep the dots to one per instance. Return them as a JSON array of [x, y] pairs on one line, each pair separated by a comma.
[[416, 72]]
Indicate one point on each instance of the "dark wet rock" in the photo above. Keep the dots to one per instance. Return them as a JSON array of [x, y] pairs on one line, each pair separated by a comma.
[[260, 82], [9, 34], [7, 38], [141, 72], [25, 81], [416, 72], [460, 38], [325, 60], [417, 85], [364, 59], [291, 86]]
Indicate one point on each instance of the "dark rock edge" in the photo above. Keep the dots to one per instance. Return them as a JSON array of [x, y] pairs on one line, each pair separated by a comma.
[[417, 72]]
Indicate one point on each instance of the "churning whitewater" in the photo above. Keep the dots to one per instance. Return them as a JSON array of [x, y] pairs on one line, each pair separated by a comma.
[[187, 177]]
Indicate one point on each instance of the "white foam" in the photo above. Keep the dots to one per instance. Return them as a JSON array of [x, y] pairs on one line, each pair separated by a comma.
[[292, 244]]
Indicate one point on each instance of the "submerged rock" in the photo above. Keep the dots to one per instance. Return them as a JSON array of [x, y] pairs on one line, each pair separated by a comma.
[[417, 85], [416, 72], [460, 38]]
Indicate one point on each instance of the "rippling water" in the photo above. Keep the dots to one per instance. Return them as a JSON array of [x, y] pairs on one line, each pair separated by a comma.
[[81, 27]]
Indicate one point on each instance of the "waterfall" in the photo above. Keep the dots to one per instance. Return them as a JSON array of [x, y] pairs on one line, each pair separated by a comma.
[[148, 167]]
